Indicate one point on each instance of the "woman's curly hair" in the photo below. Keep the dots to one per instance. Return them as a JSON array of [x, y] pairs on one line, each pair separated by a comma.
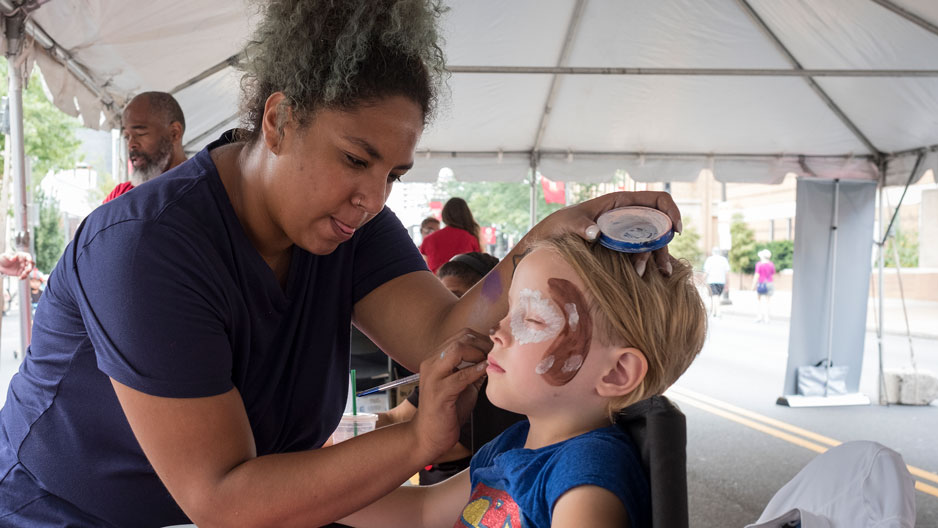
[[341, 53]]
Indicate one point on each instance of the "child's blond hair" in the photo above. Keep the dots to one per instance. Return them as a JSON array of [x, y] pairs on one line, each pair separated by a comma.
[[663, 316]]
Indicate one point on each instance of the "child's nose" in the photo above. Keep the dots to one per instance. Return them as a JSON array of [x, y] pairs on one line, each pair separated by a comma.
[[499, 335]]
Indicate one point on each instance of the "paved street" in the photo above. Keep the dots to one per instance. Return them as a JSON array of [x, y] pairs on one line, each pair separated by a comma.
[[734, 469]]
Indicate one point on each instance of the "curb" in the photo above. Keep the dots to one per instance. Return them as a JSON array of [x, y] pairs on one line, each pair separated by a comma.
[[869, 329]]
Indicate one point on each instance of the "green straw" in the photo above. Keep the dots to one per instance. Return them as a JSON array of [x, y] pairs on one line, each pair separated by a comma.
[[354, 405], [354, 398]]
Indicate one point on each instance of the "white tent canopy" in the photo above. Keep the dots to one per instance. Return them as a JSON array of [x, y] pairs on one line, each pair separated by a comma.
[[752, 89]]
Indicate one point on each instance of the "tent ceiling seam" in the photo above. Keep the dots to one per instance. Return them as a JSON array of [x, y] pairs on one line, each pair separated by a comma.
[[911, 17], [714, 72], [211, 130], [230, 62], [744, 5], [564, 154], [572, 26]]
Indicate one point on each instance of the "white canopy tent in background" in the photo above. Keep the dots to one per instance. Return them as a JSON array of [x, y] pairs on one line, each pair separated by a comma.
[[752, 89], [746, 87]]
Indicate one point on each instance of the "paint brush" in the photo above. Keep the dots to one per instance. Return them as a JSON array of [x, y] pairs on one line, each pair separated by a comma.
[[404, 381]]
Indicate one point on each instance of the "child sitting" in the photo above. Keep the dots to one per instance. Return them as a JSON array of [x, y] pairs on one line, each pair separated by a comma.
[[584, 337]]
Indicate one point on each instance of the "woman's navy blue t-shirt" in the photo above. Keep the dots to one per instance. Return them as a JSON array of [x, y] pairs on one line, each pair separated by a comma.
[[162, 291]]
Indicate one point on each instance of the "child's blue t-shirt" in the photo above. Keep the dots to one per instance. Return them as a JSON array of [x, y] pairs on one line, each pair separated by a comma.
[[518, 487]]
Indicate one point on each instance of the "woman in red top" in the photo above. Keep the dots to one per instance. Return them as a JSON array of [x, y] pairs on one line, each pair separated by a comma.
[[461, 235]]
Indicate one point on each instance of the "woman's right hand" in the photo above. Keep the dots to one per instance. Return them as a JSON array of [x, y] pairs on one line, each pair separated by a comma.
[[448, 395]]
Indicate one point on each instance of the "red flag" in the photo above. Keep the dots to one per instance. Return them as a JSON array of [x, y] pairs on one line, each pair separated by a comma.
[[436, 209], [553, 191], [488, 235]]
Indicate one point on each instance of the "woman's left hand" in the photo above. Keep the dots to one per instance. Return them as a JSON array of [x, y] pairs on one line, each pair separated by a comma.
[[581, 219]]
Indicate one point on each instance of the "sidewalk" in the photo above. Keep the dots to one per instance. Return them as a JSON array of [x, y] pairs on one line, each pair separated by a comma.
[[923, 315]]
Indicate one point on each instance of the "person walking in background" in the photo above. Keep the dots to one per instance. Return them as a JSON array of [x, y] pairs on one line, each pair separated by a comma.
[[153, 126], [762, 282], [461, 235], [716, 267]]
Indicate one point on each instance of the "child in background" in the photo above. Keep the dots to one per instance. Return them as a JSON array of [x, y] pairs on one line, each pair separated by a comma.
[[584, 337]]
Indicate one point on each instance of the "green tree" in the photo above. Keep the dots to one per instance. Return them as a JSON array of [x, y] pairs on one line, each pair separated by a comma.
[[687, 245], [50, 235], [51, 143], [504, 205], [106, 184], [907, 244], [49, 134], [742, 255]]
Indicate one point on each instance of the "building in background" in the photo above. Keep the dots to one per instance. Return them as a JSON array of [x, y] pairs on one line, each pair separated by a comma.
[[75, 190], [769, 210], [411, 203]]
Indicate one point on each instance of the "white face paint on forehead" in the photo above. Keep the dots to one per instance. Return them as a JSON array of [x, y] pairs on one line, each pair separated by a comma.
[[548, 321]]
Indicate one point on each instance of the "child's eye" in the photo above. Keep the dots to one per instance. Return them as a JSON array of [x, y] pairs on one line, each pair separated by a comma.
[[534, 321]]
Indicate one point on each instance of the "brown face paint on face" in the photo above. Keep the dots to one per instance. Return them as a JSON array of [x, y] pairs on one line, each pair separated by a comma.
[[571, 346]]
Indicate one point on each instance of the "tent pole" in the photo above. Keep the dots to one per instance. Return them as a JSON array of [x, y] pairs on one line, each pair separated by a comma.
[[883, 235], [881, 265], [14, 33], [908, 182], [833, 280], [533, 198], [908, 15]]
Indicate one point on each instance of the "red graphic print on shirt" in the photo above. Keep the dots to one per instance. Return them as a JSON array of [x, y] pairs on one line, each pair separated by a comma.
[[489, 508]]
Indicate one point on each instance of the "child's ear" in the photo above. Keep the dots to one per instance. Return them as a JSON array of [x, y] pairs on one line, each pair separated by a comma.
[[625, 373]]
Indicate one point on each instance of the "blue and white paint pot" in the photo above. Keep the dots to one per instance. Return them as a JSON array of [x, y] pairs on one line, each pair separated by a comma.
[[634, 229]]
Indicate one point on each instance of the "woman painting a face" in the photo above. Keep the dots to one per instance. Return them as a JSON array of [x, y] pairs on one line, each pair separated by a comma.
[[190, 354]]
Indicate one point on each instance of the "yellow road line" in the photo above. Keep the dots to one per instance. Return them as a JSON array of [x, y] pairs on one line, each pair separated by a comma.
[[924, 474], [765, 425], [756, 416], [925, 488], [751, 424]]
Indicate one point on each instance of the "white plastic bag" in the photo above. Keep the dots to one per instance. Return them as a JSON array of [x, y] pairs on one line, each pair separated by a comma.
[[811, 379]]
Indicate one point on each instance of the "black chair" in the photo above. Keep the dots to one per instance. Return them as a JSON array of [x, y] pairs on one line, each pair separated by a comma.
[[659, 430]]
